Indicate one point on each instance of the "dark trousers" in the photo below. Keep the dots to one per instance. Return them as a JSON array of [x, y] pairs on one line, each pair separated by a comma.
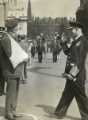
[[25, 70], [11, 97], [33, 54], [2, 85], [40, 57], [13, 82], [54, 57], [73, 89], [24, 73]]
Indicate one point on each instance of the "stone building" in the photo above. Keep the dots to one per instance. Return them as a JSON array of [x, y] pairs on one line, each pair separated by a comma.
[[3, 12], [18, 9]]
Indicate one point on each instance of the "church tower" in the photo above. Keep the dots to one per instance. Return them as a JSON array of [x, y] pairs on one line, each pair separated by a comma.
[[29, 16]]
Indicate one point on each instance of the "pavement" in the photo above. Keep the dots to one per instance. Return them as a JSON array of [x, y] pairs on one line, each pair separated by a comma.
[[39, 97]]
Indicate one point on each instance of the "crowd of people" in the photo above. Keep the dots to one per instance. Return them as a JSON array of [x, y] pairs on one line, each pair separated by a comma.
[[13, 67], [40, 47], [75, 46], [15, 56]]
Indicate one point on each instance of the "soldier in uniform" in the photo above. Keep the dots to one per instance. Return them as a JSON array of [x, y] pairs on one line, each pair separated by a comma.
[[75, 75]]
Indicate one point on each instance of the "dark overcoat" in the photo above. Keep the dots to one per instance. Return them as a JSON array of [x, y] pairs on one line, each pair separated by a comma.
[[5, 53], [5, 64]]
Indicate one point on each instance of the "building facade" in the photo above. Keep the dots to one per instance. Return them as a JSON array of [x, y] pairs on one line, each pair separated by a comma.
[[3, 12], [18, 9]]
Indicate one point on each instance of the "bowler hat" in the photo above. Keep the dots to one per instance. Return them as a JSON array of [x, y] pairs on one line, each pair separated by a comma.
[[58, 36], [2, 29], [75, 24], [68, 28]]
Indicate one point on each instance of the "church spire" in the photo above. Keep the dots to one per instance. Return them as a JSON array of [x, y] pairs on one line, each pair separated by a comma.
[[29, 17]]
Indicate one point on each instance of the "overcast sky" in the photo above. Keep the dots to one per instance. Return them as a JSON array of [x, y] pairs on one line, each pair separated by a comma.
[[54, 8]]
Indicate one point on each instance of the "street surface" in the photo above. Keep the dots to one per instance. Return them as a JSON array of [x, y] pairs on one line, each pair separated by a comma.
[[39, 97]]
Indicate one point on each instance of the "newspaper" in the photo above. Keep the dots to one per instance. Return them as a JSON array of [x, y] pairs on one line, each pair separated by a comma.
[[18, 54]]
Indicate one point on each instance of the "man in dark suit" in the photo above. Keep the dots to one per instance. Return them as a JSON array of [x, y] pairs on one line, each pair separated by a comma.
[[75, 75], [5, 48], [10, 74], [5, 52]]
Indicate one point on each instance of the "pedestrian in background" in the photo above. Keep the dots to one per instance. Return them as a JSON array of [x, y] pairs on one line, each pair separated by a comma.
[[29, 54], [40, 52], [59, 48], [33, 50], [54, 50], [23, 43]]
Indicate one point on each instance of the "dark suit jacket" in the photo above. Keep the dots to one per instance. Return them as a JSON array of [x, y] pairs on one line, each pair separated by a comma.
[[6, 44], [5, 53], [79, 53], [5, 65], [77, 56]]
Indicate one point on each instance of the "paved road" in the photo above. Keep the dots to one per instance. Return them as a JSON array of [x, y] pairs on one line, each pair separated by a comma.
[[39, 97]]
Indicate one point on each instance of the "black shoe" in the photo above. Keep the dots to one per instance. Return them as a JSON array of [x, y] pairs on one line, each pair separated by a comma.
[[17, 115], [24, 82], [1, 94], [10, 118], [59, 115], [84, 118], [4, 93]]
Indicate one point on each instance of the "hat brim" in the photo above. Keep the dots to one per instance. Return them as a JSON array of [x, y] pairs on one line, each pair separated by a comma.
[[75, 24], [68, 28]]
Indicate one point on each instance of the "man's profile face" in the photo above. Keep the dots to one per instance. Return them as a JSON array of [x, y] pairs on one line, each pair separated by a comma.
[[74, 31]]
